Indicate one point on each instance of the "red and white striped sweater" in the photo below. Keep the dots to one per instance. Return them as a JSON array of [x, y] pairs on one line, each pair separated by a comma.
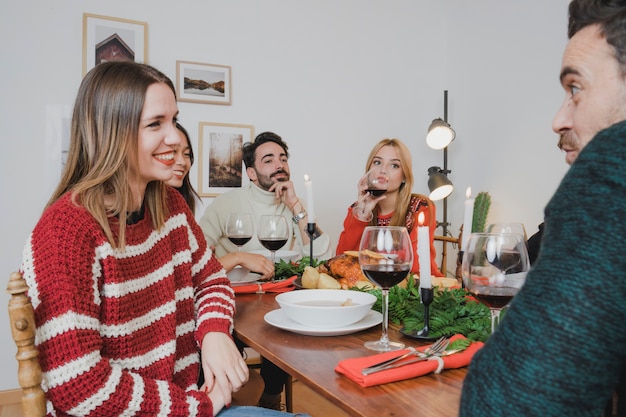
[[118, 331]]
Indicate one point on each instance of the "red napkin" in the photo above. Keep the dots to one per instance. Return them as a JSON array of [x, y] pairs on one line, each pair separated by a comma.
[[352, 367], [261, 287]]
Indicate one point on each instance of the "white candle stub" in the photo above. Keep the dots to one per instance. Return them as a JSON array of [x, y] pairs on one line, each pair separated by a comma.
[[423, 252], [468, 217], [308, 185]]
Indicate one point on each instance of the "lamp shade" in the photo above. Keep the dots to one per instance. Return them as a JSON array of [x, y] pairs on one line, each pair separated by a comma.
[[440, 134], [439, 184]]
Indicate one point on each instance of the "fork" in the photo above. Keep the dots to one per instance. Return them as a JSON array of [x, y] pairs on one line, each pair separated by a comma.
[[435, 349]]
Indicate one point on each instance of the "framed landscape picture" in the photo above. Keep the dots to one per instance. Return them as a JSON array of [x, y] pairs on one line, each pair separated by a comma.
[[221, 167], [113, 39], [203, 83]]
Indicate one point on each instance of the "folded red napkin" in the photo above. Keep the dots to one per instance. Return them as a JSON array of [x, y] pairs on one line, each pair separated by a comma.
[[352, 367], [261, 287]]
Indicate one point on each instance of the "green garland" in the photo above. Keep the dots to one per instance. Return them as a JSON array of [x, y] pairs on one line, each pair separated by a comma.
[[451, 312]]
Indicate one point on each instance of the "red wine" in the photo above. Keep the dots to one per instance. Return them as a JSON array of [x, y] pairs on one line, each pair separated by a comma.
[[375, 192], [273, 243], [386, 276], [494, 297], [239, 240]]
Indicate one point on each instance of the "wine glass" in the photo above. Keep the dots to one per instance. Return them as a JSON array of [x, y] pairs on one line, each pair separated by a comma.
[[385, 256], [239, 228], [507, 228], [273, 233], [494, 269], [377, 181]]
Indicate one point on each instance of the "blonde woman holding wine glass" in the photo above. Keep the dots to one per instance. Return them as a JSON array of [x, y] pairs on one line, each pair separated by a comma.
[[397, 206]]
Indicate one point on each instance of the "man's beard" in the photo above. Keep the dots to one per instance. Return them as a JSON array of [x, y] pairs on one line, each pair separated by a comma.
[[266, 182]]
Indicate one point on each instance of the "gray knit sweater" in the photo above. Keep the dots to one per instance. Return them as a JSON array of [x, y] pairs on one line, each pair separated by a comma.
[[561, 347]]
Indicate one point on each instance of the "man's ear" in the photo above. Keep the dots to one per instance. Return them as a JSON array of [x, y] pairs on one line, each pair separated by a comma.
[[251, 174]]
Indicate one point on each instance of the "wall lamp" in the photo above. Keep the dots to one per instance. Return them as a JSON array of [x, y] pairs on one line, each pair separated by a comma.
[[439, 184], [440, 134]]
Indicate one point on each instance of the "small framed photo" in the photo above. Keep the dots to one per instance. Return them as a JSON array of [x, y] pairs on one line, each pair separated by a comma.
[[203, 83], [113, 39], [221, 166]]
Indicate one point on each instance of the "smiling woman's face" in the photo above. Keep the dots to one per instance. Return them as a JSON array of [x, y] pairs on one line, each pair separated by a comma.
[[158, 136], [182, 162]]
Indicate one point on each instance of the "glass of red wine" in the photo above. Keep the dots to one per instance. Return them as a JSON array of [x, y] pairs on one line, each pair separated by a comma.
[[273, 233], [385, 257], [494, 269], [239, 228], [377, 181]]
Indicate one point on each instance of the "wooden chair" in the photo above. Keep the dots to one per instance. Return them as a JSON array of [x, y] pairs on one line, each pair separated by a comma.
[[22, 318]]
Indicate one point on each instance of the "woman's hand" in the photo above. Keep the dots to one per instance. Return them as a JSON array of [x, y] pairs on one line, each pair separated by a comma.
[[365, 202], [225, 371], [254, 262]]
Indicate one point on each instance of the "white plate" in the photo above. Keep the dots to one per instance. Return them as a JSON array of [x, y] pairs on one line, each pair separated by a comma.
[[239, 276], [277, 318]]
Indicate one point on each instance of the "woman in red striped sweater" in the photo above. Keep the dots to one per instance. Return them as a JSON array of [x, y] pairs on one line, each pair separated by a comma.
[[126, 293]]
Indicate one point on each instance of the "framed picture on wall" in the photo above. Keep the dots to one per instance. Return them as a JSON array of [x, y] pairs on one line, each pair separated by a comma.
[[203, 83], [113, 39], [221, 167]]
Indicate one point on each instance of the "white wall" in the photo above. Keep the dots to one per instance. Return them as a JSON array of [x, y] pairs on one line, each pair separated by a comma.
[[331, 77]]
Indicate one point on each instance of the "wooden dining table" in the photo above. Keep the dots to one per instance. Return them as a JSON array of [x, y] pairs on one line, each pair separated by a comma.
[[312, 361]]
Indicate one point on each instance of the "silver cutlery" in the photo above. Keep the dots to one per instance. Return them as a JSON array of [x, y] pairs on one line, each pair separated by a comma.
[[398, 365], [435, 349]]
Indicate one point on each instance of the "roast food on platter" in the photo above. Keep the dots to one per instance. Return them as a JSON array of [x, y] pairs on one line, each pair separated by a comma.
[[346, 270], [342, 271]]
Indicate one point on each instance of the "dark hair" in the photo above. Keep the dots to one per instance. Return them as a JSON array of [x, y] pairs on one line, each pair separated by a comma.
[[188, 192], [249, 148], [610, 15]]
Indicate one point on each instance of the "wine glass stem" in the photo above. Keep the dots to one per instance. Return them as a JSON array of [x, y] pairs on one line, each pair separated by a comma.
[[385, 301], [495, 318], [273, 256]]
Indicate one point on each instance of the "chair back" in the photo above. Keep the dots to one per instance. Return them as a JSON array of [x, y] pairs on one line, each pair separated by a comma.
[[22, 318]]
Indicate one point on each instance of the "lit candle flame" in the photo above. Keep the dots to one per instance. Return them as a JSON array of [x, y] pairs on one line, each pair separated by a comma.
[[420, 219], [468, 192]]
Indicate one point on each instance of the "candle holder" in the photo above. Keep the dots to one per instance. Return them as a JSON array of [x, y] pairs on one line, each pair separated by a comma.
[[423, 334], [311, 231]]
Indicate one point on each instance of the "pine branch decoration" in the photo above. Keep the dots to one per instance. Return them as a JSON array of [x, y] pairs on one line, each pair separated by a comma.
[[481, 211], [451, 312]]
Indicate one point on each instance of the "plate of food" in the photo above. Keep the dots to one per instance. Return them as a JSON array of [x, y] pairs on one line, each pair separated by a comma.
[[240, 276], [279, 319]]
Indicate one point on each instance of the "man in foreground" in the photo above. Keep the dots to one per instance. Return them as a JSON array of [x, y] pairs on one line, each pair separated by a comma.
[[560, 350]]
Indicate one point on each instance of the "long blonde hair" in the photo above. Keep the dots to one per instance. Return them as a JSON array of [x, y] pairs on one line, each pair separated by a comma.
[[103, 145], [404, 193]]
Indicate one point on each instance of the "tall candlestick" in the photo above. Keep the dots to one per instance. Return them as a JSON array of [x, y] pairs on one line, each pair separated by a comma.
[[423, 252], [308, 185], [468, 217]]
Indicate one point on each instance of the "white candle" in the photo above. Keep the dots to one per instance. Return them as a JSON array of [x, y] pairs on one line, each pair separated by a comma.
[[468, 217], [308, 185], [423, 252]]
